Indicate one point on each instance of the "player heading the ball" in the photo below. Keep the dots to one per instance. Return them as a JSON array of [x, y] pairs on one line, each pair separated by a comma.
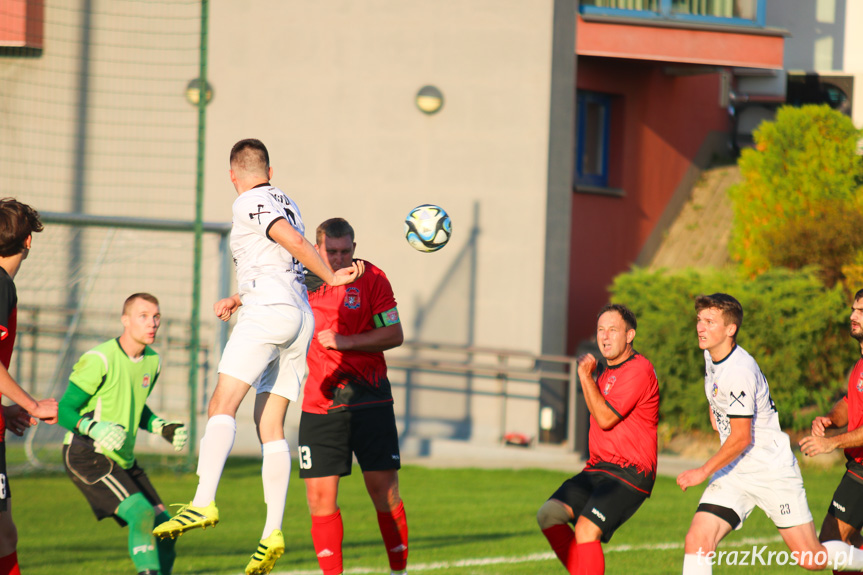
[[267, 348]]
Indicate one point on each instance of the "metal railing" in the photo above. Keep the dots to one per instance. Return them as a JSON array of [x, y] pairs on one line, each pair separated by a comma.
[[503, 365]]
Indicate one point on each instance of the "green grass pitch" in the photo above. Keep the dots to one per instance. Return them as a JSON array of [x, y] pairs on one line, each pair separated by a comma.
[[461, 521]]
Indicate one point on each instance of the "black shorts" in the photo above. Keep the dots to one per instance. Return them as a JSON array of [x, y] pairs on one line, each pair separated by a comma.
[[847, 502], [102, 481], [605, 501], [327, 441], [5, 492]]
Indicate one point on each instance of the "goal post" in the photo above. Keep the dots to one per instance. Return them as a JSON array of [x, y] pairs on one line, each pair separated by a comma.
[[118, 256]]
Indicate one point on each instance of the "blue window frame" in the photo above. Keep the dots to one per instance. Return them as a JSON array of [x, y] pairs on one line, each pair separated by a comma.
[[729, 12], [593, 119]]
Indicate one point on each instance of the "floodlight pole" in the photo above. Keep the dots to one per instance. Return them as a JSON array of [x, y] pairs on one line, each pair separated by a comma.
[[195, 334]]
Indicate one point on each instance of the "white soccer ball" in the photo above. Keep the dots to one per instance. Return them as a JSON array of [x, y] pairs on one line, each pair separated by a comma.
[[427, 228]]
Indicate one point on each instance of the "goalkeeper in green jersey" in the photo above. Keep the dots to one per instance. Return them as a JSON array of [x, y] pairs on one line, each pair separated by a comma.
[[103, 408]]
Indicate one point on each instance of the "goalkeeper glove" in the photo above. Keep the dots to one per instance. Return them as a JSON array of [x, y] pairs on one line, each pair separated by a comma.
[[174, 432], [109, 435]]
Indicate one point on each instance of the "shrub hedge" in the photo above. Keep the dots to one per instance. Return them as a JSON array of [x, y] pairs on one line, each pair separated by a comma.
[[794, 326]]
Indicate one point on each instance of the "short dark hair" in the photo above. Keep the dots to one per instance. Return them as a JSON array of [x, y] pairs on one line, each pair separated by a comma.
[[136, 296], [626, 313], [17, 222], [250, 155], [732, 311], [334, 228], [858, 295]]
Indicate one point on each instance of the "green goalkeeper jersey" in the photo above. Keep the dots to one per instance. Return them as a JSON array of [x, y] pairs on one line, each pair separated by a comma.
[[119, 387]]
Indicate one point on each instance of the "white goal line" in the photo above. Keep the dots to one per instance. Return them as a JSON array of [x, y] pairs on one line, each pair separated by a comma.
[[482, 561]]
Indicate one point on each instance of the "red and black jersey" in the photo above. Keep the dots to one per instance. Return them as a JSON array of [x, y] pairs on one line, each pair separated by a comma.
[[854, 398], [8, 322], [627, 451], [349, 380]]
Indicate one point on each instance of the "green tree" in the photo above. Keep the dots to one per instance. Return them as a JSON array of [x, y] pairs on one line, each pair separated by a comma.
[[800, 196]]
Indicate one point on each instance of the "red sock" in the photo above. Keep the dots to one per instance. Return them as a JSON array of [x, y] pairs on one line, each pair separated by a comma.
[[394, 529], [592, 561], [327, 534], [9, 565], [562, 540]]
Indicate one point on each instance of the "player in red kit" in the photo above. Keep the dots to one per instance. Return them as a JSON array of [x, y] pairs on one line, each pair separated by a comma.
[[18, 223], [845, 515], [348, 402], [619, 476]]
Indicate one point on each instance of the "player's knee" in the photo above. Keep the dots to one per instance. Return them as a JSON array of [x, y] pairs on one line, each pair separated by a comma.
[[552, 513], [697, 541], [137, 512]]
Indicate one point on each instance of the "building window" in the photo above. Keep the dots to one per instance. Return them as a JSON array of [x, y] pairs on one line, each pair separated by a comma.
[[734, 12], [592, 129]]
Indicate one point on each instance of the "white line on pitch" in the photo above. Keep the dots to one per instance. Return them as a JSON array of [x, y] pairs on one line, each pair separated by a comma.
[[415, 567]]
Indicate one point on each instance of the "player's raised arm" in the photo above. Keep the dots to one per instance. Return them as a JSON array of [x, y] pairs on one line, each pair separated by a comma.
[[286, 236], [596, 403]]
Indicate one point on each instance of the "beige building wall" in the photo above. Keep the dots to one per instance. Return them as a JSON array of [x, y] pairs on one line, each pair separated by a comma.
[[330, 88], [854, 56]]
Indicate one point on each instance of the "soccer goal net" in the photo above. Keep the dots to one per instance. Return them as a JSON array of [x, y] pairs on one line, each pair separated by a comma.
[[97, 120]]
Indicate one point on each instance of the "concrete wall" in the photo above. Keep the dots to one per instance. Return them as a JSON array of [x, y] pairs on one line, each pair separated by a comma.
[[98, 123], [330, 88]]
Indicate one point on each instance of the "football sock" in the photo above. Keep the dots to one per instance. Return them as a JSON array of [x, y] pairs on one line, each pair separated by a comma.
[[696, 565], [215, 446], [9, 564], [165, 547], [137, 512], [843, 557], [276, 474], [394, 529], [591, 560], [327, 534], [561, 537]]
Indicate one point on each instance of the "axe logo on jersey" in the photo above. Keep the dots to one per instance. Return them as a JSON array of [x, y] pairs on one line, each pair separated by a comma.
[[737, 398], [352, 298], [609, 384], [145, 383], [258, 213]]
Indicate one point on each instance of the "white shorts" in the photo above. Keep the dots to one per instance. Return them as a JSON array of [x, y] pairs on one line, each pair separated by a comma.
[[778, 492], [268, 348]]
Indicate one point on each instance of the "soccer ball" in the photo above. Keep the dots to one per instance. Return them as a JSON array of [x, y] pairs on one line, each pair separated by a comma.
[[427, 228]]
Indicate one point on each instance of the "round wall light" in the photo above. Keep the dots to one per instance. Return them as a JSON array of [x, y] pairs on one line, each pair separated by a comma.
[[193, 92], [429, 100]]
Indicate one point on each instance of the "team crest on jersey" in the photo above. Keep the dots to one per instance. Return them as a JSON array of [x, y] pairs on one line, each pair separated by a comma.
[[352, 298], [145, 383], [715, 389], [609, 384], [860, 383]]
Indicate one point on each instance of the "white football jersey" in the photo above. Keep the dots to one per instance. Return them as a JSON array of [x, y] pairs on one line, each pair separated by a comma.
[[735, 387], [266, 272]]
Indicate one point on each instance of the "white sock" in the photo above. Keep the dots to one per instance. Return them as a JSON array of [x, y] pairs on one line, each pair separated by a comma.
[[215, 446], [696, 565], [276, 474], [843, 557]]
